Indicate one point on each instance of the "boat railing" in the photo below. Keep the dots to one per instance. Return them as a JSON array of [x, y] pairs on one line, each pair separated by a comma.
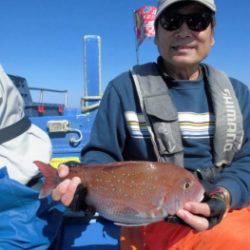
[[86, 100], [43, 90]]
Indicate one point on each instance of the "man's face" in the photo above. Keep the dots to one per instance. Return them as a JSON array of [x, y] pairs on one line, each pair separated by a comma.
[[183, 47]]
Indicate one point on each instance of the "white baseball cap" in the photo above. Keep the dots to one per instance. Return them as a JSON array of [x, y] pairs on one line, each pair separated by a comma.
[[164, 4]]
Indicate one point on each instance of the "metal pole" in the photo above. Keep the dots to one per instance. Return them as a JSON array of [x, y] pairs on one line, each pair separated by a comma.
[[136, 42], [85, 88], [41, 96], [100, 64], [137, 55]]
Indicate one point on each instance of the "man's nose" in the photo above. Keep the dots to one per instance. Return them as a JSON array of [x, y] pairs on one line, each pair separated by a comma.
[[183, 31]]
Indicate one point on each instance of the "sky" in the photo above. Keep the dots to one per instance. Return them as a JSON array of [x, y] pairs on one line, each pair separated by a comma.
[[42, 40]]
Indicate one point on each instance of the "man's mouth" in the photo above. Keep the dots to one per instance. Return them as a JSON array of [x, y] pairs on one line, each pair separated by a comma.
[[181, 48]]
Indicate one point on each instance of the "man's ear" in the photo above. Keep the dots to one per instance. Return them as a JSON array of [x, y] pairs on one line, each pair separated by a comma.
[[212, 42], [212, 39]]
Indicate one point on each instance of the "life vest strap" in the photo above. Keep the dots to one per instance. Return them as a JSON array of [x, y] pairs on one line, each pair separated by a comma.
[[12, 131]]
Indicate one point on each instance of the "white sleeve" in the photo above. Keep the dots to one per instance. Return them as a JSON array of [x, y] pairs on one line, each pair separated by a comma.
[[19, 154]]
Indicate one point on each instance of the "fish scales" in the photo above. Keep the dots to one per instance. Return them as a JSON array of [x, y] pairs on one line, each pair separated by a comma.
[[133, 192], [122, 180]]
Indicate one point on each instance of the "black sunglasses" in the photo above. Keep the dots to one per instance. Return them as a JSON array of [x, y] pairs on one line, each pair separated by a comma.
[[195, 21]]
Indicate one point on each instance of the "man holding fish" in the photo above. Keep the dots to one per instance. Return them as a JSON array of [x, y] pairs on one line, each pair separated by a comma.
[[181, 111]]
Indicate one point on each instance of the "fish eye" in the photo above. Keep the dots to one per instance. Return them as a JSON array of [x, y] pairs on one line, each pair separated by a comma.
[[187, 184]]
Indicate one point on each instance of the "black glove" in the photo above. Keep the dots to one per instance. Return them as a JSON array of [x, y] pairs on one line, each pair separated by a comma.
[[72, 164], [78, 203], [219, 203], [175, 220]]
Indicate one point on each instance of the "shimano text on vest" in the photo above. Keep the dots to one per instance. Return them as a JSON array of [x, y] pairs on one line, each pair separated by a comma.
[[231, 118]]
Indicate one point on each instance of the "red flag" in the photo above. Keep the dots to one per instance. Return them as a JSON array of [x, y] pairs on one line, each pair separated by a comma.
[[144, 23]]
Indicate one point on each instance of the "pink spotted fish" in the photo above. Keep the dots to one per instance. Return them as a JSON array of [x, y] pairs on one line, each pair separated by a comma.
[[133, 192]]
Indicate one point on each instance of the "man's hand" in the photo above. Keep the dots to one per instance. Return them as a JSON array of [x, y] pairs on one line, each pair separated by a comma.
[[65, 191], [194, 214], [205, 215]]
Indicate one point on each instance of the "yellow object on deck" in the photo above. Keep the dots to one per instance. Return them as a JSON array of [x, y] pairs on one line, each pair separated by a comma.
[[55, 162]]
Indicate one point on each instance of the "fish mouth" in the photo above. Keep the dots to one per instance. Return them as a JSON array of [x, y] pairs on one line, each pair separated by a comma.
[[201, 195]]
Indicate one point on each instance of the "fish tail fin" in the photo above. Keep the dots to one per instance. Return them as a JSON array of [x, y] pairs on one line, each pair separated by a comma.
[[51, 178]]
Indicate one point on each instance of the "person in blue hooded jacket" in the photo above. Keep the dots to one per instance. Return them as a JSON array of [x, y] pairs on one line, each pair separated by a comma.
[[182, 111], [26, 222]]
